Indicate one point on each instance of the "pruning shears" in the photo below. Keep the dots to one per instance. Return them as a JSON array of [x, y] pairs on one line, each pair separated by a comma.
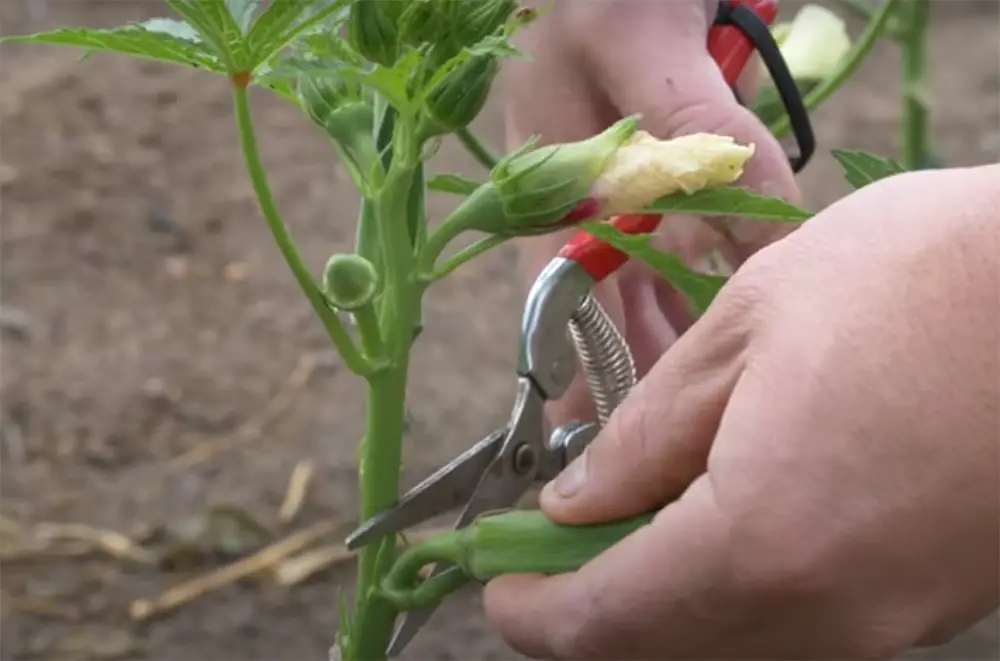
[[498, 470]]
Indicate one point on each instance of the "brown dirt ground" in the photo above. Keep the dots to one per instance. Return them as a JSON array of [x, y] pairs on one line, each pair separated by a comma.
[[147, 313]]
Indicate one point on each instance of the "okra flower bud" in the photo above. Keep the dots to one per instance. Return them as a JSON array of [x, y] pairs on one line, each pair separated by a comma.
[[350, 281], [620, 171], [456, 100], [538, 188], [372, 31], [482, 18]]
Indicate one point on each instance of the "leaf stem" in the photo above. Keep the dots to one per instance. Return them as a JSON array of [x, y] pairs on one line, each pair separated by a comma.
[[258, 177], [367, 241], [483, 154], [852, 60], [860, 8], [914, 147], [366, 320], [461, 257], [482, 204]]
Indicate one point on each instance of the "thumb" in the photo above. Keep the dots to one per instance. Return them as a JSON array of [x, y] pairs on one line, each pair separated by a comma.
[[657, 441]]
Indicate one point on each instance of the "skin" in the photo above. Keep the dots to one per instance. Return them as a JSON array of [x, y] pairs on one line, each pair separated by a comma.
[[823, 445]]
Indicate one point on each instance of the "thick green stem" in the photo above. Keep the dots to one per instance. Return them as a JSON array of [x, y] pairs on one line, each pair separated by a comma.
[[852, 60], [914, 143], [374, 616], [258, 177], [399, 305], [477, 148], [381, 458]]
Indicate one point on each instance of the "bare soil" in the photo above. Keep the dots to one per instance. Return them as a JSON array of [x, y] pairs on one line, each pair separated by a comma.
[[147, 316]]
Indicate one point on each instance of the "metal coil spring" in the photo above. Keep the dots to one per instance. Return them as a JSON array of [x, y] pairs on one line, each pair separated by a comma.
[[604, 355]]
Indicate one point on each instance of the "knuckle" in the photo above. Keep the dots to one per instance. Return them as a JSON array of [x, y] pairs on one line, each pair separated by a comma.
[[775, 566], [745, 293]]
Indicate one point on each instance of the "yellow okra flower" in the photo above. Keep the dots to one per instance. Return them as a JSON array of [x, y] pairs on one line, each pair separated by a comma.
[[645, 169]]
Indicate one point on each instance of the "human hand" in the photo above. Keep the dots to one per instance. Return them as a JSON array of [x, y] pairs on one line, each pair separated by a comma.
[[830, 427], [598, 61]]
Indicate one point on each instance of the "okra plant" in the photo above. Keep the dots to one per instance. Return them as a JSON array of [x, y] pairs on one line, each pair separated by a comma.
[[386, 82]]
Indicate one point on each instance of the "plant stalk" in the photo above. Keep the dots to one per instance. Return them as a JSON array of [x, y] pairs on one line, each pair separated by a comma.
[[816, 96], [378, 472], [265, 198], [381, 456], [483, 154], [914, 142]]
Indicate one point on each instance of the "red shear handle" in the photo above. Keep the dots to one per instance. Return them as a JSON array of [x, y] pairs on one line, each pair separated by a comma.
[[731, 49]]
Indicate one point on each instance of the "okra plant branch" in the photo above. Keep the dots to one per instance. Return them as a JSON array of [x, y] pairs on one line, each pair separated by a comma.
[[915, 149], [877, 25], [383, 96], [258, 177], [477, 148]]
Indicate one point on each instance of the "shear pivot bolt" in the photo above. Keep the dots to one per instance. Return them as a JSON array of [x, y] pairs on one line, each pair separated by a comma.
[[524, 459]]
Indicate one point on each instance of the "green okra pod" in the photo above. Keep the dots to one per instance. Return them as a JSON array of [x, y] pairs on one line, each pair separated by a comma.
[[512, 542]]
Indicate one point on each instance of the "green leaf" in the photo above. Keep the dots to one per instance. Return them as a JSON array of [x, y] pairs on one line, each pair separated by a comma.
[[242, 11], [730, 201], [284, 21], [331, 46], [452, 184], [861, 168], [391, 83], [174, 28], [700, 289], [220, 30], [162, 40]]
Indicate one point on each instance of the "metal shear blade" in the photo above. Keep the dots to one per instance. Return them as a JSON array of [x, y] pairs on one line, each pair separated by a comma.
[[448, 488], [505, 479]]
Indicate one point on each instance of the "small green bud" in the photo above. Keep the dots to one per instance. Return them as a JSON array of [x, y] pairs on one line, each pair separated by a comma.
[[540, 187], [451, 25], [483, 18], [371, 31], [341, 112], [423, 22], [456, 100], [350, 281]]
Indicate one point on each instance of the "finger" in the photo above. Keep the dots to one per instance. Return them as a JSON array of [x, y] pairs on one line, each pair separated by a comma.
[[666, 591], [657, 441]]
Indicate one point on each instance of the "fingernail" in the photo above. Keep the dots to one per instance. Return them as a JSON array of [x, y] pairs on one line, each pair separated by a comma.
[[571, 479]]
